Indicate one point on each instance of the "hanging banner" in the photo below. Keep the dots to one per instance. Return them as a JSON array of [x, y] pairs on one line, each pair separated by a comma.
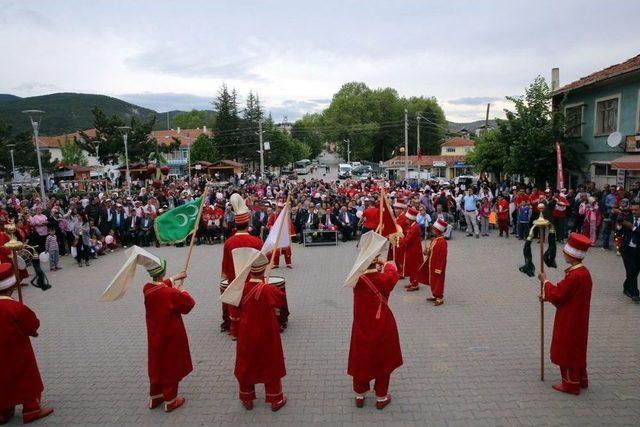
[[560, 176]]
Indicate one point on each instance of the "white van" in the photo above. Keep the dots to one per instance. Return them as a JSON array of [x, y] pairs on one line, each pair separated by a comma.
[[344, 170]]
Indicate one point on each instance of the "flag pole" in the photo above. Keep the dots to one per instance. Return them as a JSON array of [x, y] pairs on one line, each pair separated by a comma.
[[273, 252], [195, 231]]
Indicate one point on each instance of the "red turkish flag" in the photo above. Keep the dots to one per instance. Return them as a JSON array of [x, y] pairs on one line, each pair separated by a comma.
[[419, 153]]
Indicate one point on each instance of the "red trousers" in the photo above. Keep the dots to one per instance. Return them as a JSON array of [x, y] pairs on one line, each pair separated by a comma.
[[30, 406], [287, 256], [574, 378], [381, 385], [272, 390], [437, 289], [503, 226], [168, 392]]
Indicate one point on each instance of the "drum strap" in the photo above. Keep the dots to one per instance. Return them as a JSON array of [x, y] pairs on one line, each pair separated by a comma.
[[377, 293]]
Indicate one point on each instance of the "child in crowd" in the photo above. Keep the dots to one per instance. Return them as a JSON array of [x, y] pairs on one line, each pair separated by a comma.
[[484, 213], [524, 214], [51, 246]]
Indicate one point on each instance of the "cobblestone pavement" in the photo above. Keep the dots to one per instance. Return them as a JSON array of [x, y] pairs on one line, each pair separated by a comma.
[[472, 361]]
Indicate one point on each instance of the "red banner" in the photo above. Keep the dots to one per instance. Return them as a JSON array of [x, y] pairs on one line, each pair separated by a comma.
[[419, 153], [560, 176]]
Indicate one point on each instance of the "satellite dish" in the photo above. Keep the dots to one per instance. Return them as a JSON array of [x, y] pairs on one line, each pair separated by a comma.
[[614, 139]]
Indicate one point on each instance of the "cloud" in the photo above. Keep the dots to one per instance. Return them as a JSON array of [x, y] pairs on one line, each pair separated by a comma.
[[35, 87], [162, 102], [477, 100], [294, 109]]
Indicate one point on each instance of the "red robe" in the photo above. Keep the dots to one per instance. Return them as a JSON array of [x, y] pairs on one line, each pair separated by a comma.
[[432, 272], [375, 345], [259, 355], [20, 380], [397, 254], [241, 239], [169, 355], [411, 245], [572, 298], [7, 256]]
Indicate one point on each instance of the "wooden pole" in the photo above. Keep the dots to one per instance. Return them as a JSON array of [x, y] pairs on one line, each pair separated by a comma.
[[542, 231], [193, 235], [16, 273]]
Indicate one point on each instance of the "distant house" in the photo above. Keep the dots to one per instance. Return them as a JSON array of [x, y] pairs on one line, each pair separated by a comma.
[[482, 129], [179, 158], [602, 109], [448, 165]]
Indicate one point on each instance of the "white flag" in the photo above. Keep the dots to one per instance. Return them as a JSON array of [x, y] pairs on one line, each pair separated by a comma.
[[280, 228]]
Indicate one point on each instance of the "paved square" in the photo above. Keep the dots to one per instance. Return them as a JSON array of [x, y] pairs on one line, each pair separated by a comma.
[[473, 361]]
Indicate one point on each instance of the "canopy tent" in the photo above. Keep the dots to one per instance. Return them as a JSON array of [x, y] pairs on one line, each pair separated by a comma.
[[629, 162]]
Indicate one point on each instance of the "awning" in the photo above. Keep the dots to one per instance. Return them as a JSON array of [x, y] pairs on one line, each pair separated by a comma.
[[629, 163]]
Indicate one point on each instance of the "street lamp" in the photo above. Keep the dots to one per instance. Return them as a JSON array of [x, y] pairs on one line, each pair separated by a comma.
[[13, 164], [37, 115], [125, 135]]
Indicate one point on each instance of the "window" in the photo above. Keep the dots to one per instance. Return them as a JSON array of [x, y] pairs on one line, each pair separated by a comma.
[[451, 150], [638, 114], [606, 116], [604, 170], [573, 121]]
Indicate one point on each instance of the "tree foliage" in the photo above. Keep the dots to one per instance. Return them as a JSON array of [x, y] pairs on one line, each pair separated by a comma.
[[226, 130], [373, 122], [524, 143], [203, 149], [73, 154], [140, 143], [194, 119], [24, 151], [308, 130]]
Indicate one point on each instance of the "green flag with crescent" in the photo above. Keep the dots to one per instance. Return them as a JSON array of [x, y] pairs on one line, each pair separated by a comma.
[[175, 225]]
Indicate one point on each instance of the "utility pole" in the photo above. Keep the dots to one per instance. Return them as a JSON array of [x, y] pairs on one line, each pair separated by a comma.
[[168, 121], [486, 120], [406, 145], [36, 128], [348, 141], [261, 149], [13, 165], [418, 153], [125, 136]]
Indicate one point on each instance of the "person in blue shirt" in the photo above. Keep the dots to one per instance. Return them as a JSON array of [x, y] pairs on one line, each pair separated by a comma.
[[470, 210], [524, 214]]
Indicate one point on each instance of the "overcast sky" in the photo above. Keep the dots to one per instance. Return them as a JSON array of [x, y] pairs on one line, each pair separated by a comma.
[[296, 54]]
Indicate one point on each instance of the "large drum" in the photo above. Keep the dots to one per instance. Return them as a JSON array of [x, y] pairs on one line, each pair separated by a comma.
[[281, 313]]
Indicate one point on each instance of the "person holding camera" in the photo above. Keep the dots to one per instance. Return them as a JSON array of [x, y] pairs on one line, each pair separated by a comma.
[[629, 226]]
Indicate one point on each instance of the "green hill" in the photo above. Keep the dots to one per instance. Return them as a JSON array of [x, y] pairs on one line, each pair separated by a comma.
[[67, 112]]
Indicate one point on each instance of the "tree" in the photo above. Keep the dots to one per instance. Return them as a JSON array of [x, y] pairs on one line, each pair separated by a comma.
[[524, 143], [73, 154], [252, 115], [226, 130], [373, 122], [203, 149], [308, 130], [140, 142], [490, 153], [194, 119], [24, 151]]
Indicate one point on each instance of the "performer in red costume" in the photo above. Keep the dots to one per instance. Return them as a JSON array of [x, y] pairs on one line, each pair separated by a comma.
[[374, 352], [241, 239], [432, 271], [411, 245], [396, 253], [572, 299], [259, 355], [292, 232], [20, 382], [169, 355]]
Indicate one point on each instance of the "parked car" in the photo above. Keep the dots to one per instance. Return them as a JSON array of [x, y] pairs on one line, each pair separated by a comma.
[[344, 170]]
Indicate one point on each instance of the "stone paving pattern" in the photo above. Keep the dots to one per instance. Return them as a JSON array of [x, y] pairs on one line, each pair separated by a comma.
[[473, 361]]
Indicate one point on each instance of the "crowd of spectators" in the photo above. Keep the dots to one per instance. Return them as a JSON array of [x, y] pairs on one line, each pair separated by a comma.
[[88, 225]]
